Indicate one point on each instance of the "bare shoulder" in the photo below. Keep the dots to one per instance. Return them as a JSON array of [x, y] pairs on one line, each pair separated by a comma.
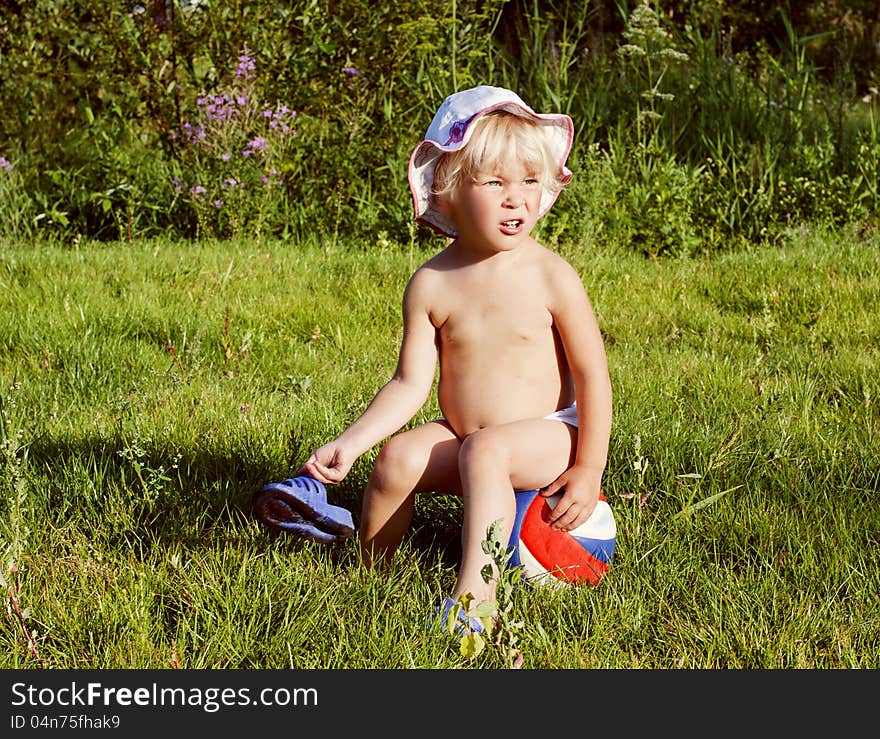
[[559, 276], [552, 261], [425, 282]]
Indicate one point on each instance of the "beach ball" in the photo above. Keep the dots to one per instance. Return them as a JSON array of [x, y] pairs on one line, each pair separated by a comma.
[[560, 558]]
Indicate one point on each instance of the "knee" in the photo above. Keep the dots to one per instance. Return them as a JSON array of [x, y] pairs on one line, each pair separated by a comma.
[[396, 466], [484, 447]]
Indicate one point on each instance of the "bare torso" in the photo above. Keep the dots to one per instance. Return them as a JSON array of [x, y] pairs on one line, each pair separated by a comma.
[[501, 358]]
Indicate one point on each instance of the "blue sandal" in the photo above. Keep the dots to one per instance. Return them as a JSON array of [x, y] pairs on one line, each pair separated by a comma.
[[460, 628], [307, 530], [299, 506]]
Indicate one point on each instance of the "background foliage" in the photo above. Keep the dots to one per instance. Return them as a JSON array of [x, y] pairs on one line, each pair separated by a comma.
[[702, 124]]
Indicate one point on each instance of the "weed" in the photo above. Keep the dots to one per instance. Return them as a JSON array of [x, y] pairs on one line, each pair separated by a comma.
[[235, 156]]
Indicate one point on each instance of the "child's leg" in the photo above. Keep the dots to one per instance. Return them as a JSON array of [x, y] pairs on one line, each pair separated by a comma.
[[493, 462], [424, 459]]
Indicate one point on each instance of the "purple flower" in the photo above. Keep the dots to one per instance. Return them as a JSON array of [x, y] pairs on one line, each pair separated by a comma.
[[178, 185], [351, 71], [196, 190], [226, 157], [5, 164], [258, 144], [218, 203], [194, 133], [245, 67]]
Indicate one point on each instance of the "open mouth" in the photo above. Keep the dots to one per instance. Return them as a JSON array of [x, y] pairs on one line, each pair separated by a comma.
[[516, 223]]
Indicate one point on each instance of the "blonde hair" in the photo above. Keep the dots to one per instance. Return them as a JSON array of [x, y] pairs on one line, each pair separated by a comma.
[[497, 136]]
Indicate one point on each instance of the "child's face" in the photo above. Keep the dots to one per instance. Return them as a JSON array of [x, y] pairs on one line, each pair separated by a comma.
[[498, 208]]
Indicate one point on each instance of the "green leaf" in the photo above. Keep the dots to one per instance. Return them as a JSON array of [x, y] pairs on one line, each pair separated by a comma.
[[488, 625], [705, 502], [451, 619], [486, 608], [472, 645]]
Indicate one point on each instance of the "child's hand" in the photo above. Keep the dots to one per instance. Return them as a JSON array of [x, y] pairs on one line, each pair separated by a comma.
[[580, 488], [328, 464]]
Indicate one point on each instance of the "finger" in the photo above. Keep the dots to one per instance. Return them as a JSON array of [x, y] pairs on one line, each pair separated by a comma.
[[308, 463], [554, 487], [567, 519], [575, 516], [551, 489], [309, 469], [558, 515], [331, 475], [319, 472], [572, 524]]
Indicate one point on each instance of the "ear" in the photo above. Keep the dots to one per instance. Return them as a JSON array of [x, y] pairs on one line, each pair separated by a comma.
[[443, 204]]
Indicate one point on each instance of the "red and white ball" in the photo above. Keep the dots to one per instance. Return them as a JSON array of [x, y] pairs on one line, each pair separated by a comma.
[[550, 557]]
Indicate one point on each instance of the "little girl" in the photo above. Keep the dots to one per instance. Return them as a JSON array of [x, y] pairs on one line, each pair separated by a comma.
[[524, 389]]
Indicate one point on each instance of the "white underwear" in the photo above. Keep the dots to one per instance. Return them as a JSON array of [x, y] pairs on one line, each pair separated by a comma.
[[566, 415]]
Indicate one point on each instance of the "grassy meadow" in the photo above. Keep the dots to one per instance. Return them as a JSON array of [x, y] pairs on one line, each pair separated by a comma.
[[149, 388]]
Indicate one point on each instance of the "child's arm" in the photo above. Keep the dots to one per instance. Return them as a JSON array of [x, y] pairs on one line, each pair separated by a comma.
[[397, 401], [578, 328]]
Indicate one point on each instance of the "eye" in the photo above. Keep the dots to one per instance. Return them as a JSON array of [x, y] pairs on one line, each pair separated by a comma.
[[531, 181], [493, 183]]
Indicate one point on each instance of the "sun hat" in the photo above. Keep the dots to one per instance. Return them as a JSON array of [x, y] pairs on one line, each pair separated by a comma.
[[451, 129]]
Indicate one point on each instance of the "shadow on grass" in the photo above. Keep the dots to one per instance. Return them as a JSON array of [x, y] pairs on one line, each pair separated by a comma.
[[143, 495]]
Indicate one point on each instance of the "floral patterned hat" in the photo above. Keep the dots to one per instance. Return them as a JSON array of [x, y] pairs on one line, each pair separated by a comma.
[[451, 129]]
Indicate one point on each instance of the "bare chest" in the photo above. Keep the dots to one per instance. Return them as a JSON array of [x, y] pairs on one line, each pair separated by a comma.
[[495, 321]]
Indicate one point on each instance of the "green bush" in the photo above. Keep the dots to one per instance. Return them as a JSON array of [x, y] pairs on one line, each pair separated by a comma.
[[16, 208], [707, 145], [234, 158]]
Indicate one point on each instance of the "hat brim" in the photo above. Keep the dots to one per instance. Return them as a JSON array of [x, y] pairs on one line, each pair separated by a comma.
[[423, 162]]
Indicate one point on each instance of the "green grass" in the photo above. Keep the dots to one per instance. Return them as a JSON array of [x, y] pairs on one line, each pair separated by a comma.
[[149, 388]]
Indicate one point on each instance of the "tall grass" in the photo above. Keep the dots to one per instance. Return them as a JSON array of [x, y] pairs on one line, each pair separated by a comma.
[[149, 388]]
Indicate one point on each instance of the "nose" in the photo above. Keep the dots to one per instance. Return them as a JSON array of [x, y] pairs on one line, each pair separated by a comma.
[[513, 197]]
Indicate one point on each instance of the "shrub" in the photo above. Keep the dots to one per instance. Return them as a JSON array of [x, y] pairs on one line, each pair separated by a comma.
[[706, 144], [234, 157], [17, 213]]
